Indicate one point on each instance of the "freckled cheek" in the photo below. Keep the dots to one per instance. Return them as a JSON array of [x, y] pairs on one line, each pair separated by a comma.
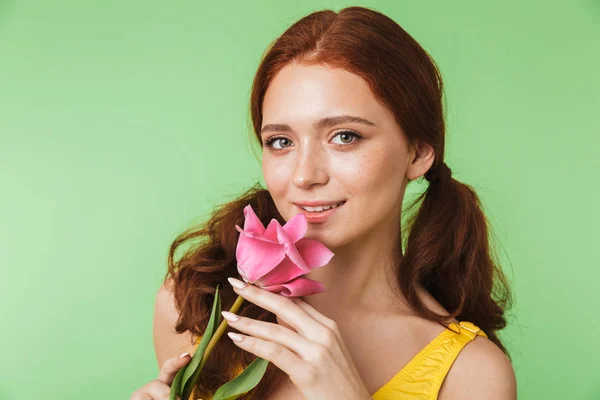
[[374, 172], [276, 176]]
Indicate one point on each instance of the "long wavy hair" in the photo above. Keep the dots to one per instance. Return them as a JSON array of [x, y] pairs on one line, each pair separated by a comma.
[[445, 239]]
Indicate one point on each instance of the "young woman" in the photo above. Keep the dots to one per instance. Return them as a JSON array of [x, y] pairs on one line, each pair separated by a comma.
[[348, 109]]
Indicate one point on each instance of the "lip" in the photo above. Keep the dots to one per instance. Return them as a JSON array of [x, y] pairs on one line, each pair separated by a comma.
[[319, 216], [316, 203]]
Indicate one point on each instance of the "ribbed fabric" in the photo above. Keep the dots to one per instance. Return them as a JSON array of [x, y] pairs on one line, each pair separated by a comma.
[[422, 377]]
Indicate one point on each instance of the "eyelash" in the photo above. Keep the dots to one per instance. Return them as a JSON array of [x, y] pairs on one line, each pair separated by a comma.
[[269, 142]]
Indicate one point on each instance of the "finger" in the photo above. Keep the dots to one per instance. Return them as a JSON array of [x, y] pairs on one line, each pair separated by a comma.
[[313, 312], [172, 366], [140, 394], [282, 306], [322, 319], [283, 358], [157, 390], [270, 331], [326, 321]]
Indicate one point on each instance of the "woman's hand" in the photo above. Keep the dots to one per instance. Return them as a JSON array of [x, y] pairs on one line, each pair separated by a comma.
[[160, 389], [313, 354]]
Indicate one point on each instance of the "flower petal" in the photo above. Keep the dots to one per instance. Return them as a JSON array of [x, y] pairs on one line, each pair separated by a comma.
[[290, 249], [276, 257], [255, 235], [296, 227], [313, 252], [284, 272], [252, 222], [298, 287], [271, 231], [257, 257]]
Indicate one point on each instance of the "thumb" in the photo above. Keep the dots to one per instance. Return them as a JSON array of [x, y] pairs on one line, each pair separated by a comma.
[[172, 366]]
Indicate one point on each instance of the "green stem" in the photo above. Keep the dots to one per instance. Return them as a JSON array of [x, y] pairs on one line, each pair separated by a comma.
[[220, 330]]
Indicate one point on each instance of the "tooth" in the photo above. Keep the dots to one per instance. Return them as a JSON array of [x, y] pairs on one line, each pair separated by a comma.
[[321, 208], [318, 208]]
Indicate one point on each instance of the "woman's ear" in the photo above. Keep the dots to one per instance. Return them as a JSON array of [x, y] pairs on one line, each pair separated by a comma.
[[420, 160]]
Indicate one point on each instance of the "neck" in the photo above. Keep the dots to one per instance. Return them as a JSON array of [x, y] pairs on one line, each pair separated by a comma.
[[360, 278]]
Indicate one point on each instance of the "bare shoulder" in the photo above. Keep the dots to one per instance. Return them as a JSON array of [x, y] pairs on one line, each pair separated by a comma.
[[167, 342], [481, 371]]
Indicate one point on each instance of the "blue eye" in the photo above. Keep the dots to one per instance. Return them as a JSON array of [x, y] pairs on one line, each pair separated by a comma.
[[269, 142]]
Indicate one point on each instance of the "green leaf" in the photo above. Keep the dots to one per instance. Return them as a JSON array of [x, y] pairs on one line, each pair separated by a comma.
[[187, 376], [244, 382], [191, 375], [176, 385]]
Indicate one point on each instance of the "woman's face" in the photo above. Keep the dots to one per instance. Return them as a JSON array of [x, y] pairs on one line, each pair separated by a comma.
[[307, 161]]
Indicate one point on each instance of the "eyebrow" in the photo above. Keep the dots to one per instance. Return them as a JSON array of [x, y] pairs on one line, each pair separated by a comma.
[[320, 124]]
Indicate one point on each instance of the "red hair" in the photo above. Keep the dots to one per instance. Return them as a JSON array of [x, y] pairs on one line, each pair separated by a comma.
[[446, 239]]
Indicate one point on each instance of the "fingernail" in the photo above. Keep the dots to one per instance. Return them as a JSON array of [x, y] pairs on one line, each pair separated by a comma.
[[236, 283], [229, 316], [184, 354], [235, 336]]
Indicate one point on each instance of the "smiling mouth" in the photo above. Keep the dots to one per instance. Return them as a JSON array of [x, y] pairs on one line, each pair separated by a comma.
[[320, 216], [313, 209]]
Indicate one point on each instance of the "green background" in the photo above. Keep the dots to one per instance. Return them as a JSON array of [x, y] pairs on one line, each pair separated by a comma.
[[124, 122]]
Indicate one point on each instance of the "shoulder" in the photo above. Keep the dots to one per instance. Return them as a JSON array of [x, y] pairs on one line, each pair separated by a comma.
[[167, 342], [165, 310], [481, 371]]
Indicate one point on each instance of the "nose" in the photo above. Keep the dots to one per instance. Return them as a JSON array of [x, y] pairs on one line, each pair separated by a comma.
[[310, 167]]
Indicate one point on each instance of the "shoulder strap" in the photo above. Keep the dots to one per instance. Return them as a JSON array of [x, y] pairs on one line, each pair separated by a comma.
[[465, 332]]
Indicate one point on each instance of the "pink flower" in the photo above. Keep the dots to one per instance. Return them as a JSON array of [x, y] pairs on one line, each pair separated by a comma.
[[275, 258]]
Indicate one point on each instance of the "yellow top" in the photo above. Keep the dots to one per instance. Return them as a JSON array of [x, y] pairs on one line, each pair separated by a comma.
[[422, 377]]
